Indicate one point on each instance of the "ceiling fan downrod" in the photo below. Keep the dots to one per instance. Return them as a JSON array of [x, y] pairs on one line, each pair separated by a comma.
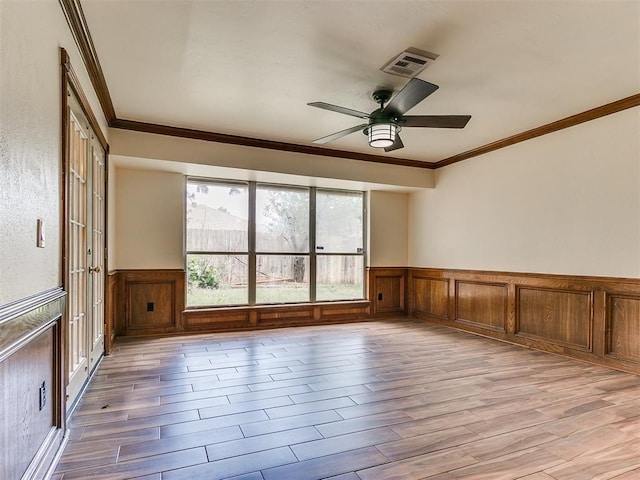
[[382, 96]]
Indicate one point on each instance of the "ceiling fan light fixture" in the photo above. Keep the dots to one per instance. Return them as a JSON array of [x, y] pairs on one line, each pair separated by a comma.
[[382, 135], [385, 123]]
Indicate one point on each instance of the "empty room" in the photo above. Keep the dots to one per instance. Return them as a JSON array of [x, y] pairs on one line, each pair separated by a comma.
[[349, 240]]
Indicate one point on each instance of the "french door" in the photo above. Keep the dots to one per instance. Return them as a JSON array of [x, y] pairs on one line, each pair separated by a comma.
[[85, 248]]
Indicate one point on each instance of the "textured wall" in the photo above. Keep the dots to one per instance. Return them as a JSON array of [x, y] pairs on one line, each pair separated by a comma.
[[388, 224], [149, 219], [568, 202], [30, 153], [31, 34]]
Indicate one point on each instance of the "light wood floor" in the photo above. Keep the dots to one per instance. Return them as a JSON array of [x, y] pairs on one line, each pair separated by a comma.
[[380, 400]]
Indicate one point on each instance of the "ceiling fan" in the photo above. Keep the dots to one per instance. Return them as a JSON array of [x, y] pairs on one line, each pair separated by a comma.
[[385, 123]]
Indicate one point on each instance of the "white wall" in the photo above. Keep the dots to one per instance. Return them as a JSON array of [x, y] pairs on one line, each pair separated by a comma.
[[149, 219], [568, 202], [149, 216], [388, 224], [31, 33]]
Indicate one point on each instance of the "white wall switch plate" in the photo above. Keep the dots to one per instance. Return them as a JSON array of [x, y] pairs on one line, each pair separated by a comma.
[[40, 241]]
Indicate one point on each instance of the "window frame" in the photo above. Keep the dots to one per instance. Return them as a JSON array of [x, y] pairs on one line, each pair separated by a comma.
[[187, 252], [328, 253], [312, 254], [307, 254]]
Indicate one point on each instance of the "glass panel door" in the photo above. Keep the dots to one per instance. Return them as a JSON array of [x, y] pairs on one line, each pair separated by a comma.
[[77, 218], [96, 255], [85, 247]]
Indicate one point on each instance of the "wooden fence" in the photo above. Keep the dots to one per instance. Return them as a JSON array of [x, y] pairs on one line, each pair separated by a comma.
[[233, 269]]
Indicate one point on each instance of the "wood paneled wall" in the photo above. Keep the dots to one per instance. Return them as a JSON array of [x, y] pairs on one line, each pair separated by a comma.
[[387, 289], [31, 354], [110, 312], [271, 316], [152, 302], [148, 302], [595, 319]]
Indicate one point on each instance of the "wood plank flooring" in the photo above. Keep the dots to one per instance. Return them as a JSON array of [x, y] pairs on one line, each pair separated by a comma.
[[395, 399]]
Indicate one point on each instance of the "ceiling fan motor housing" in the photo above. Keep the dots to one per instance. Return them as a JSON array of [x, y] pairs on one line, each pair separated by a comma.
[[382, 96], [378, 117]]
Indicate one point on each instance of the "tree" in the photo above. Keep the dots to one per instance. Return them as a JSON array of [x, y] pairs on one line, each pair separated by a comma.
[[339, 222], [287, 212]]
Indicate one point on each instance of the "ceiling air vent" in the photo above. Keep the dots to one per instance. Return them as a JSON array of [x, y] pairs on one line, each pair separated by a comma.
[[409, 63]]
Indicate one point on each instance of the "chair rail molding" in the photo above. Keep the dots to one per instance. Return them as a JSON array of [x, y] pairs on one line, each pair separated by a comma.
[[32, 404]]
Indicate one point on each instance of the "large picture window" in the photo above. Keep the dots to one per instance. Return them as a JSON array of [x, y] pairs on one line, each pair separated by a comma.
[[253, 243], [339, 245], [217, 240], [282, 244]]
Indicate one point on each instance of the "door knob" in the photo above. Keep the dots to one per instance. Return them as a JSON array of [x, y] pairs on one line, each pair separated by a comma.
[[95, 269]]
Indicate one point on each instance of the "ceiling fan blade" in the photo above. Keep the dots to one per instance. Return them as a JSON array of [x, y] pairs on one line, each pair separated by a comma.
[[396, 146], [436, 121], [336, 108], [412, 94], [340, 134]]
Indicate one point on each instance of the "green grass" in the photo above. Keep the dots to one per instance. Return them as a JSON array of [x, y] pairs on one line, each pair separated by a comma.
[[226, 295], [198, 297]]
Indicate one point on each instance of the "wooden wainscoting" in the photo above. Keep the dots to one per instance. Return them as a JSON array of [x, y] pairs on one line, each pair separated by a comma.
[[149, 302], [272, 316], [428, 295], [387, 290], [152, 302], [32, 418], [622, 323], [482, 305], [110, 309], [558, 316], [595, 319]]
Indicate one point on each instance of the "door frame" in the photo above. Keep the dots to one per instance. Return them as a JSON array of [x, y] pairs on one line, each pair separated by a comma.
[[70, 82]]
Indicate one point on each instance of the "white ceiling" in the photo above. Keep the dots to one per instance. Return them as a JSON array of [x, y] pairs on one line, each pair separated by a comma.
[[250, 67]]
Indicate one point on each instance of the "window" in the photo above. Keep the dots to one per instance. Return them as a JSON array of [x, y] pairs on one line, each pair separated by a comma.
[[339, 245], [282, 244], [217, 242], [249, 243]]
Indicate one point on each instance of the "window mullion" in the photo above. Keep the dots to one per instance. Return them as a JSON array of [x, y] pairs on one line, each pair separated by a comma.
[[312, 245], [252, 243], [365, 240]]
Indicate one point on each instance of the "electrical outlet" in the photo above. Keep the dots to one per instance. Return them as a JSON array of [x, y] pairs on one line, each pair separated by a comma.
[[43, 395], [379, 296], [150, 306]]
